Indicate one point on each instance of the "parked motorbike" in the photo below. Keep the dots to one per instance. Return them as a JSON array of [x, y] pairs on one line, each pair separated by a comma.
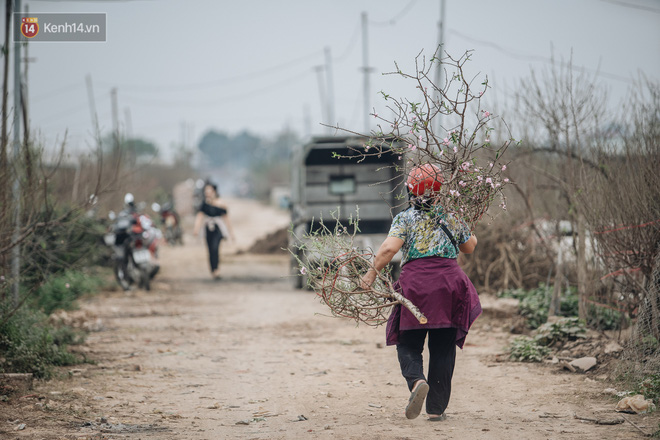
[[134, 240], [171, 222]]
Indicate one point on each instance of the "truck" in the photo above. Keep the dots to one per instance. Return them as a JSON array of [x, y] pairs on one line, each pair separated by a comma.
[[333, 178]]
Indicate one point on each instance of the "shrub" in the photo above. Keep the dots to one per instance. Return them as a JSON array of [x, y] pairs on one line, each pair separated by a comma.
[[649, 387], [565, 329], [29, 345], [61, 291], [535, 305], [526, 349]]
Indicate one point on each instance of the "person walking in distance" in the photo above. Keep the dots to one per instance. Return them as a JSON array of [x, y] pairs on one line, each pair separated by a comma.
[[213, 214], [430, 239]]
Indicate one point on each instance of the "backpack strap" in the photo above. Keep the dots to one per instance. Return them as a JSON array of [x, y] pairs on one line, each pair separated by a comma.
[[450, 236]]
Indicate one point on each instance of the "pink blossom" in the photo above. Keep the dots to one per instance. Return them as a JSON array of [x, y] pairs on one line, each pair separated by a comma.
[[481, 93], [420, 137], [445, 141], [466, 165], [375, 115], [503, 167], [455, 149], [453, 192], [412, 147], [506, 180], [491, 164], [462, 183], [489, 180], [303, 270], [487, 140], [479, 178], [486, 114], [399, 158], [67, 285]]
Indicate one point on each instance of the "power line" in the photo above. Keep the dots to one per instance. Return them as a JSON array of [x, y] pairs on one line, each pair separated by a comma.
[[221, 100], [215, 83], [633, 6], [398, 16], [56, 92], [351, 45], [542, 59]]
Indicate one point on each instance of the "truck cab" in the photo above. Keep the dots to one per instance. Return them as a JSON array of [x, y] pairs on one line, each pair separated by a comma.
[[332, 178]]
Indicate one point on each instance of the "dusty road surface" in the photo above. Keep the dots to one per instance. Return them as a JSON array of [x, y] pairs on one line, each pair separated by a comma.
[[248, 357]]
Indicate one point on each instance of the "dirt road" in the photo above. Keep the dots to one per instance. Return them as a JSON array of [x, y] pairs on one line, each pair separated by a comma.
[[248, 357]]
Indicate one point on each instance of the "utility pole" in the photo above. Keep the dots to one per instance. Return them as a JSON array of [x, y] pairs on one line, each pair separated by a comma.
[[324, 108], [115, 119], [438, 67], [307, 121], [366, 70], [92, 108], [16, 189], [329, 88]]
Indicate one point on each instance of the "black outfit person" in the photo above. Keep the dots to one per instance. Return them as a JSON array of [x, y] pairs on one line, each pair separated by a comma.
[[213, 232]]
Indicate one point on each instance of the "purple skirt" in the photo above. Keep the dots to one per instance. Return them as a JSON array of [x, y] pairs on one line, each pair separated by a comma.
[[441, 291]]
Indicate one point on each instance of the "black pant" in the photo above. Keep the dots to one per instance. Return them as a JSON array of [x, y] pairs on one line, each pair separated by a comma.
[[442, 353], [213, 238]]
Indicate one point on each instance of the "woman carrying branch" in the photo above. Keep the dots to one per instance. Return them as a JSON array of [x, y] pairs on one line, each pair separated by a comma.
[[432, 280], [213, 214]]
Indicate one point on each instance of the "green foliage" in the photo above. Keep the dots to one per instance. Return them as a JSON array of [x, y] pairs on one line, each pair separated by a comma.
[[29, 345], [139, 148], [61, 291], [649, 387], [535, 305], [603, 318], [534, 349], [526, 349], [72, 241], [565, 329]]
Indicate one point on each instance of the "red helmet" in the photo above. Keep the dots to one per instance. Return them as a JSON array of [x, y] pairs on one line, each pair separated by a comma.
[[424, 178]]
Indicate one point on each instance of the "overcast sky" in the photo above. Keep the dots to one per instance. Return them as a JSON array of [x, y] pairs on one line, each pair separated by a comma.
[[237, 65]]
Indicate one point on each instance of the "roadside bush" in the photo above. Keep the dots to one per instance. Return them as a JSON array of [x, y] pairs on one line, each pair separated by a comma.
[[649, 387], [565, 329], [61, 291], [29, 345], [535, 305], [602, 318], [526, 349]]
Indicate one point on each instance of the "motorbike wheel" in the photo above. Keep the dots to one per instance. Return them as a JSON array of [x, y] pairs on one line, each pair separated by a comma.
[[122, 275], [146, 280]]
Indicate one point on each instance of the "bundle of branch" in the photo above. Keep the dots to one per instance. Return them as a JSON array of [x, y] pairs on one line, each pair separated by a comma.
[[465, 147], [333, 266]]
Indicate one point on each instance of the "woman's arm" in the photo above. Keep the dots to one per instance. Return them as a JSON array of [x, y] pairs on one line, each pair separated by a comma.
[[225, 218], [219, 203], [385, 253], [199, 218], [468, 246]]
